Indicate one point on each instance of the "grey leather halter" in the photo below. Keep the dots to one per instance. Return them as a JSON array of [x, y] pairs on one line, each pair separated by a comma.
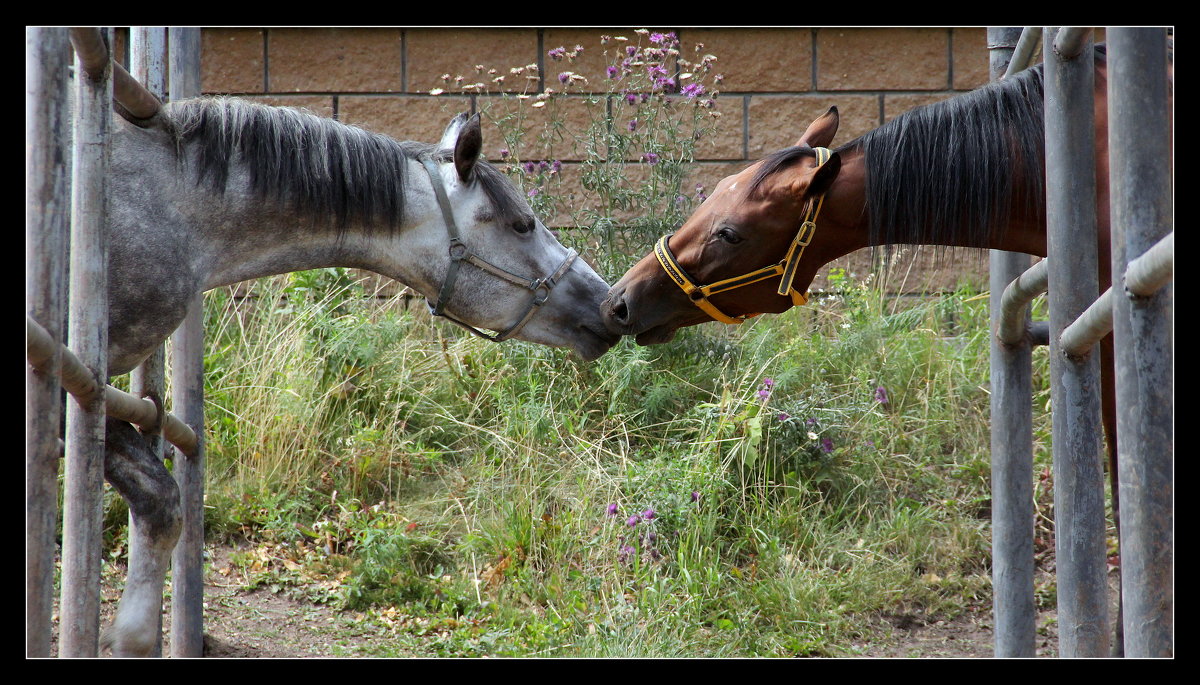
[[459, 253]]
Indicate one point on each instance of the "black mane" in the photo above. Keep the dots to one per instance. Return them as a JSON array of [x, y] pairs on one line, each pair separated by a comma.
[[946, 173], [337, 173]]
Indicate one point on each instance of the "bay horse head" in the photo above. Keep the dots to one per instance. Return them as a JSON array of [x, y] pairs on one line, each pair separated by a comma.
[[752, 247]]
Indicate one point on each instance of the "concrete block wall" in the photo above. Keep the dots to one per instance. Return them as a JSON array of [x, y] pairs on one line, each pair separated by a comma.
[[775, 82]]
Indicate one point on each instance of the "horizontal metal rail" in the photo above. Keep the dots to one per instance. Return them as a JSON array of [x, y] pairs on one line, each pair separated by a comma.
[[1144, 276], [78, 380], [1070, 40], [1027, 44], [1011, 328], [132, 96]]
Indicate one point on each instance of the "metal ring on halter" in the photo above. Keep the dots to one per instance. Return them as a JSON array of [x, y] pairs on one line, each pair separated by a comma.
[[459, 253], [785, 269]]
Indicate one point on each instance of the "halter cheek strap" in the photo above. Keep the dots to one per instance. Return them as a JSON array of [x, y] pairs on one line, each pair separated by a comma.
[[460, 253], [785, 269]]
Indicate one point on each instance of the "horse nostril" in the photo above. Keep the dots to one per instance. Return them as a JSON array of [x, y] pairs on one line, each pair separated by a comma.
[[620, 311]]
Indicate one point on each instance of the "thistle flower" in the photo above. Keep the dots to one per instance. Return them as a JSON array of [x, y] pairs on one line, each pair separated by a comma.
[[826, 445], [695, 495], [881, 395], [612, 509], [633, 520], [648, 514]]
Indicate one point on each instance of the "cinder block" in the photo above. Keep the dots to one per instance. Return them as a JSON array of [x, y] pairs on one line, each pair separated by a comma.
[[231, 61], [894, 105], [778, 121], [970, 58], [883, 59], [758, 59], [420, 118], [457, 52], [320, 105], [335, 60]]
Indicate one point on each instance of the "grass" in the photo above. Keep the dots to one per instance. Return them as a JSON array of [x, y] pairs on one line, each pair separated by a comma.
[[761, 490], [660, 502]]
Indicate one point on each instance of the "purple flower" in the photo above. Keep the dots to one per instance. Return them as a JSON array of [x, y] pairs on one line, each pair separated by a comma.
[[564, 77], [769, 382], [631, 50], [557, 53], [764, 393], [810, 421], [784, 416], [695, 495], [633, 520], [503, 153], [612, 509], [533, 193], [648, 514], [657, 37], [555, 166], [612, 71], [632, 125], [826, 445], [631, 98], [529, 167], [650, 158], [881, 395], [693, 90]]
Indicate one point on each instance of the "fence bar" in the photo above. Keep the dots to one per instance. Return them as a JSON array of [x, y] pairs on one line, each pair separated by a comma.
[[187, 381], [1014, 324], [1079, 503], [47, 227], [1142, 213], [92, 51], [88, 336], [1013, 605], [1022, 55], [148, 65], [1145, 275], [78, 380], [1070, 40]]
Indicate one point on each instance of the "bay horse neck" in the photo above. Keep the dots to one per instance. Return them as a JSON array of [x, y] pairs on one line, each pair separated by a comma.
[[845, 225]]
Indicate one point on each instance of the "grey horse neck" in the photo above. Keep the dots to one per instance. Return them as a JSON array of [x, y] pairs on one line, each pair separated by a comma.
[[226, 191]]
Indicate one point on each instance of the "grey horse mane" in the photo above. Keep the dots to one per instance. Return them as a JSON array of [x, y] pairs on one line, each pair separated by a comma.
[[336, 173]]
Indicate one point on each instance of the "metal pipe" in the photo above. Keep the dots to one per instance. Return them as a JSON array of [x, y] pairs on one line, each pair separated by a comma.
[[1022, 55], [47, 216], [1145, 276], [1012, 328], [1070, 40], [78, 380], [83, 467], [1139, 119], [1013, 606], [138, 103], [1079, 502], [187, 383]]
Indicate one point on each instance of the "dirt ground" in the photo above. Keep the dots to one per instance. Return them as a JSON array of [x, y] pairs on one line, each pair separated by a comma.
[[262, 624]]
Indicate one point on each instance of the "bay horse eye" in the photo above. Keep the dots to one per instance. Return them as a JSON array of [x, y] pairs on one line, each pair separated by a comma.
[[729, 235]]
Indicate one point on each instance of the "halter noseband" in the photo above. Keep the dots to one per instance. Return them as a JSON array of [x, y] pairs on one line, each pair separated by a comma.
[[785, 269], [459, 253]]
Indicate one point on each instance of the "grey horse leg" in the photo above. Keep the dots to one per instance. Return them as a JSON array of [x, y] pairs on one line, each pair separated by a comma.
[[155, 521]]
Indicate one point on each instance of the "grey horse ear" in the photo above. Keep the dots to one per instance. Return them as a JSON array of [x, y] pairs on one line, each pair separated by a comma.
[[468, 147]]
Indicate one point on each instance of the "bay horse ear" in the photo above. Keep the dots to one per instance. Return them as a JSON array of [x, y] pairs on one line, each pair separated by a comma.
[[824, 177], [467, 147], [820, 132]]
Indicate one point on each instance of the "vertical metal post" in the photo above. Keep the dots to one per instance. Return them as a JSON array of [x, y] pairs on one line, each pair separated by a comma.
[[47, 229], [187, 393], [148, 64], [1079, 512], [1140, 181], [1013, 605], [88, 339]]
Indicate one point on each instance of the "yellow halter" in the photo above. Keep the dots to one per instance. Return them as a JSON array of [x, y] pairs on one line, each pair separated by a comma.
[[785, 269]]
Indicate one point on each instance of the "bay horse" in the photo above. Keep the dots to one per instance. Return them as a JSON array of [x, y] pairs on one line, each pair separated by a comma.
[[963, 172], [213, 191]]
